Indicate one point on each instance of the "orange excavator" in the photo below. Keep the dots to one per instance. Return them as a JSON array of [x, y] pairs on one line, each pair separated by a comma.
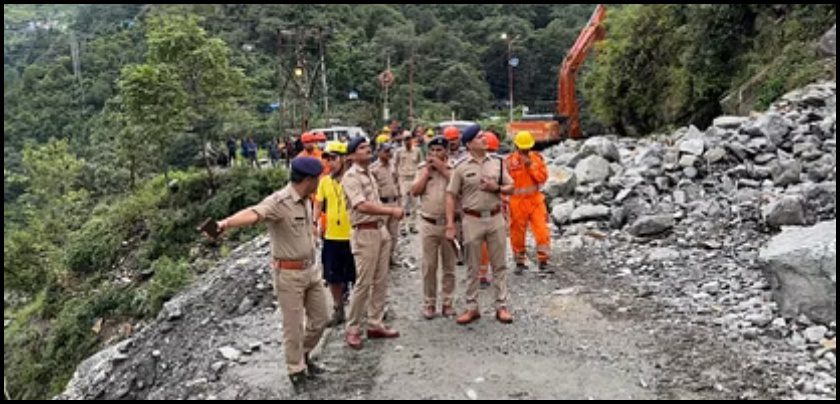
[[550, 130]]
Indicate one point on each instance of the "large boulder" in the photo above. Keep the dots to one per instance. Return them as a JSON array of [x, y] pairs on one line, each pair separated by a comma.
[[786, 173], [593, 169], [729, 122], [774, 126], [561, 182], [651, 225], [562, 212], [692, 142], [601, 146], [590, 212], [801, 264], [786, 211]]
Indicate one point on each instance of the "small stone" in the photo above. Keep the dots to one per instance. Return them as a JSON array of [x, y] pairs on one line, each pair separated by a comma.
[[710, 287], [230, 353], [815, 333], [217, 367], [471, 394]]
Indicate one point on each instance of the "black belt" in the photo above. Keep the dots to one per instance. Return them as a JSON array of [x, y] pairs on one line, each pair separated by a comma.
[[389, 200]]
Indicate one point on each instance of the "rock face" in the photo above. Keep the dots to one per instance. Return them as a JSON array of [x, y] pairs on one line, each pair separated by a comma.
[[801, 264], [828, 42]]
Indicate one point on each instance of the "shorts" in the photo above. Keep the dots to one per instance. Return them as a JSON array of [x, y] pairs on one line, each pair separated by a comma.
[[337, 258]]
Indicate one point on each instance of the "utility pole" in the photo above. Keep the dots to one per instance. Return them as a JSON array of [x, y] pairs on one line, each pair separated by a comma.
[[385, 114], [324, 77], [411, 90], [281, 112], [510, 77]]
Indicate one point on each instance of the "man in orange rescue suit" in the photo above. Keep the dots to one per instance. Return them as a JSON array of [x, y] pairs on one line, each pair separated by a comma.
[[478, 181], [371, 246], [527, 205]]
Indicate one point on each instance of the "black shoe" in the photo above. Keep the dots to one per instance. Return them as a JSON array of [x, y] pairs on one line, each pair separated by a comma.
[[298, 381], [337, 318], [520, 268], [313, 368], [544, 268]]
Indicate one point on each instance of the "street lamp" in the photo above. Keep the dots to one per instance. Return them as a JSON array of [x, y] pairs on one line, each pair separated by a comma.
[[509, 39], [298, 71]]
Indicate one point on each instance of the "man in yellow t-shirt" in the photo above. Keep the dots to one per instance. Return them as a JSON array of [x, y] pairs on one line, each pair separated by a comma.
[[336, 256]]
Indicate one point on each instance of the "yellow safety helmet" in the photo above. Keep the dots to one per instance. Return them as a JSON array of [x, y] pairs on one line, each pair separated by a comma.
[[386, 129], [524, 140], [383, 138], [430, 133], [336, 147]]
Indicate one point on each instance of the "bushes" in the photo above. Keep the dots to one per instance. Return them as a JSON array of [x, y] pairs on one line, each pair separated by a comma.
[[666, 65], [154, 226], [170, 277]]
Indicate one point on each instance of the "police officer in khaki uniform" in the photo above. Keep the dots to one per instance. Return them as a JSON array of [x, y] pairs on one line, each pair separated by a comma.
[[408, 157], [371, 245], [389, 192], [430, 185], [297, 280], [478, 180]]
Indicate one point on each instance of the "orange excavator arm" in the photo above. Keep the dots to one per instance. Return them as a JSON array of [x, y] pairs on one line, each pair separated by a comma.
[[566, 104]]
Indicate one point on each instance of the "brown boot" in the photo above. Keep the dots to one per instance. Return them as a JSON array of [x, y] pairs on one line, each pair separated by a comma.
[[429, 312], [353, 339], [503, 315], [468, 317], [447, 310]]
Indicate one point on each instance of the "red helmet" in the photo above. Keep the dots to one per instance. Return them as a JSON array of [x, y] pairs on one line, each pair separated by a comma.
[[451, 133], [492, 140], [320, 137]]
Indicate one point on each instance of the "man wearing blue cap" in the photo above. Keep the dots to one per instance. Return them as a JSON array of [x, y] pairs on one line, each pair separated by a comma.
[[297, 281], [430, 185], [478, 181], [371, 245]]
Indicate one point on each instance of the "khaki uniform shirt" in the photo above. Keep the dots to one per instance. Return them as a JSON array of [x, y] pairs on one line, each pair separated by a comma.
[[433, 198], [466, 177], [360, 186], [386, 180], [289, 220]]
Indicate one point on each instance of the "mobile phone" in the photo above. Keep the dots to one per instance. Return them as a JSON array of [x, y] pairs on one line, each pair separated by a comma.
[[210, 227]]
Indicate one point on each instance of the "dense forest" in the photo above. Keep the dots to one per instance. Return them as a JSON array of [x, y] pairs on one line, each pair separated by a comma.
[[108, 110]]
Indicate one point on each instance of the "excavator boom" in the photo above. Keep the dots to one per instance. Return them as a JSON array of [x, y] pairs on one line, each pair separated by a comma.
[[566, 103], [566, 122]]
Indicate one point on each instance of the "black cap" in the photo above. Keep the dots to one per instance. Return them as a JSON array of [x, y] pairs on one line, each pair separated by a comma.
[[354, 143], [438, 141], [469, 133]]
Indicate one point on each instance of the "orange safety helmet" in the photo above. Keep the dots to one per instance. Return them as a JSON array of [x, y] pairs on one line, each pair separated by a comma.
[[320, 137], [308, 137], [452, 133], [492, 141]]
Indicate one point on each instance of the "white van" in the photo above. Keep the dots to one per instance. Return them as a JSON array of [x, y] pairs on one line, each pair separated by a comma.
[[339, 132]]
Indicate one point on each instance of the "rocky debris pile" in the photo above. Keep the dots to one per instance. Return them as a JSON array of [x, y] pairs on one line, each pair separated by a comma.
[[772, 169], [199, 344], [690, 216]]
